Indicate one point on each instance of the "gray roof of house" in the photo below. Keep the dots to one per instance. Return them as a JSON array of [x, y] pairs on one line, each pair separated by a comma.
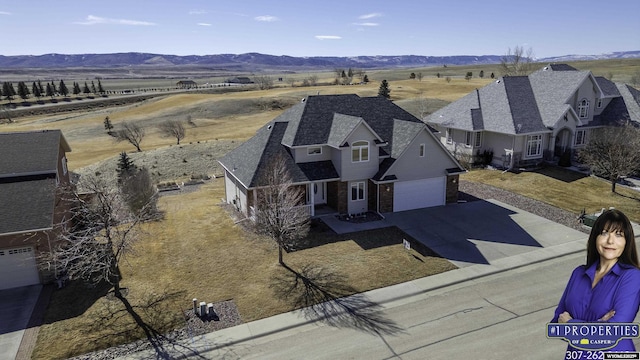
[[322, 120], [27, 205], [519, 104], [30, 152], [609, 88]]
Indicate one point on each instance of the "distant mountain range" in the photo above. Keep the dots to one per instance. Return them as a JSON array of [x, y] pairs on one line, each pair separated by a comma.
[[255, 61]]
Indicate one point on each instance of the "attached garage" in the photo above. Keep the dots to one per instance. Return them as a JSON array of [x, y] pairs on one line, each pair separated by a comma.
[[416, 194], [18, 268]]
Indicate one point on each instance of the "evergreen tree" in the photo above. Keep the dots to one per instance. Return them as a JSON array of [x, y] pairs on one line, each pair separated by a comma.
[[108, 125], [49, 92], [493, 75], [350, 73], [23, 90], [100, 88], [365, 79], [344, 75], [412, 76], [481, 74], [8, 91], [76, 88], [384, 90], [63, 88], [40, 87], [53, 88], [93, 87], [126, 167], [36, 90], [86, 89]]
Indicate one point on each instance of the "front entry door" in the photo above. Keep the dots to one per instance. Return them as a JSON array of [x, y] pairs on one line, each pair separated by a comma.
[[319, 193]]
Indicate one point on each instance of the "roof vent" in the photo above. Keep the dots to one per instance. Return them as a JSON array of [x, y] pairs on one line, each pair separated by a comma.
[[269, 127], [545, 68], [304, 99], [497, 81]]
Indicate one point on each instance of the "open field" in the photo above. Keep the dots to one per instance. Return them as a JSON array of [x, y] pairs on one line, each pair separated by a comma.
[[198, 250]]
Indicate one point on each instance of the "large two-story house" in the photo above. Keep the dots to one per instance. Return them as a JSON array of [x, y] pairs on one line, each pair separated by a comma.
[[351, 154], [33, 166], [524, 120]]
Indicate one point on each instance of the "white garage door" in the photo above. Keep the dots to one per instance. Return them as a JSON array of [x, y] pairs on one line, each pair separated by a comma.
[[18, 268], [409, 195]]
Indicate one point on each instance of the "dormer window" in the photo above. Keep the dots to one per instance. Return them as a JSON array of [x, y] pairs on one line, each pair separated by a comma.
[[315, 150], [360, 151], [583, 108]]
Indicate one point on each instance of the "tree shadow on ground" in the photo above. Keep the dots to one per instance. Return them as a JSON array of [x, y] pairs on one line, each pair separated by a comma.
[[73, 300], [152, 322], [562, 174], [323, 294]]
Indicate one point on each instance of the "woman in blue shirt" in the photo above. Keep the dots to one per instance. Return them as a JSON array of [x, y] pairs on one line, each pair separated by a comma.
[[607, 288]]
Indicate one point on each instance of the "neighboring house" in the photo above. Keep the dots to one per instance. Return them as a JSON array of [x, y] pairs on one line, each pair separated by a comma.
[[524, 120], [239, 80], [32, 167], [351, 154], [186, 84]]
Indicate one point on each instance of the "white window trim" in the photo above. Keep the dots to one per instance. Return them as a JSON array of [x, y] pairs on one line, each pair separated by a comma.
[[583, 108], [358, 185], [468, 138], [359, 146], [312, 153], [478, 139], [422, 150], [536, 141]]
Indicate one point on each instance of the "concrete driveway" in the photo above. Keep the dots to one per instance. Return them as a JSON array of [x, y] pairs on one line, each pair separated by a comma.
[[16, 307], [477, 232]]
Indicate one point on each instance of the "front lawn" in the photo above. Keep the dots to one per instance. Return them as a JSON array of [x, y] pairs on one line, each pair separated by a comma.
[[562, 188], [198, 252]]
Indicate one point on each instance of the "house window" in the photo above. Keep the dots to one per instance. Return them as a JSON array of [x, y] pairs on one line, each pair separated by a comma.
[[583, 108], [357, 191], [467, 140], [581, 137], [599, 104], [64, 165], [534, 145], [478, 141], [360, 151], [449, 136], [422, 150], [316, 150]]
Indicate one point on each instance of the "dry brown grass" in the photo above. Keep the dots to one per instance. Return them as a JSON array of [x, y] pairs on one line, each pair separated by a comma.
[[564, 189], [198, 251]]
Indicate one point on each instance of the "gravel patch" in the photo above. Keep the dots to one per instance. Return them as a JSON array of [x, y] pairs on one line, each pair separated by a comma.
[[226, 315], [473, 191]]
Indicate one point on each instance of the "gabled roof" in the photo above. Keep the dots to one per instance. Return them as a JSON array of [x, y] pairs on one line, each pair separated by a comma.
[[609, 88], [34, 152], [519, 104], [248, 161], [322, 120]]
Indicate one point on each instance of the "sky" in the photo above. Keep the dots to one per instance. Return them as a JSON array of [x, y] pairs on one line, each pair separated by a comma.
[[319, 28]]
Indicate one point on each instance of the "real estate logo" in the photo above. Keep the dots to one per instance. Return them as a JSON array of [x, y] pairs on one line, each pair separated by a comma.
[[593, 336]]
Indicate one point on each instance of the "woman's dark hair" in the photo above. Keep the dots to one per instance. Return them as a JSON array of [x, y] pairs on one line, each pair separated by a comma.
[[613, 220]]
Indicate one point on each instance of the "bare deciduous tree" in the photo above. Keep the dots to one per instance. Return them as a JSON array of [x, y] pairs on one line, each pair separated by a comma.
[[279, 211], [613, 152], [141, 194], [517, 62], [130, 132], [173, 128], [265, 82], [100, 232]]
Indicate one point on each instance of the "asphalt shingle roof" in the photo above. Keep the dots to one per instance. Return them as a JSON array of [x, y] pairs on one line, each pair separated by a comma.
[[30, 152], [27, 205], [531, 104], [321, 120]]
